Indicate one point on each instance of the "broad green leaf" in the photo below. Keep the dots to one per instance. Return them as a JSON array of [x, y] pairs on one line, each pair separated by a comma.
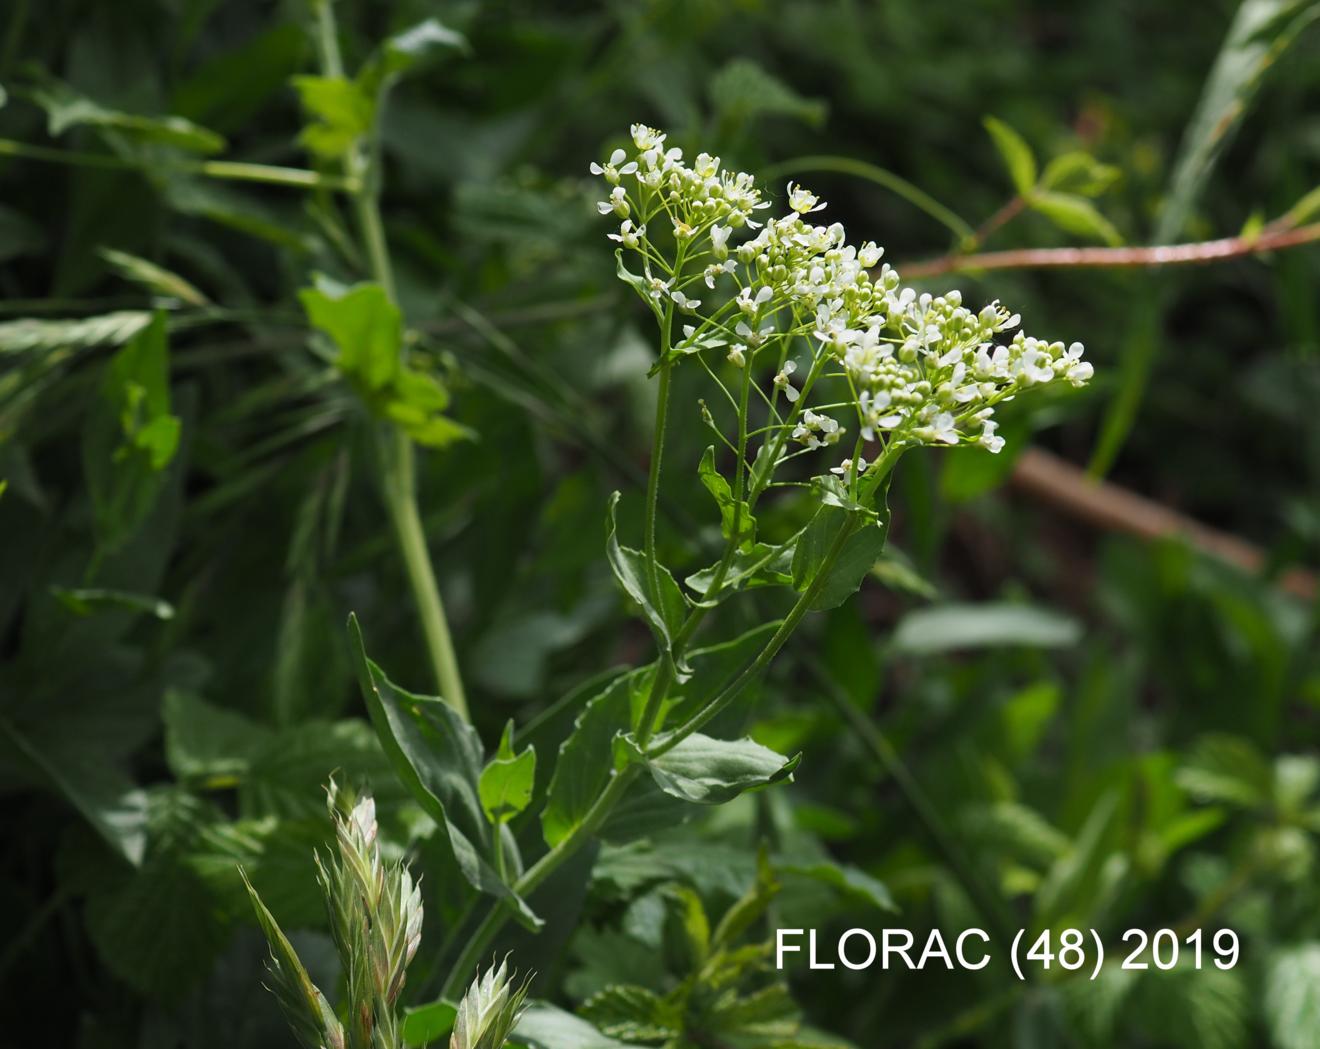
[[659, 598], [859, 553], [585, 763], [114, 806], [947, 628], [731, 510], [1292, 996], [846, 879], [1016, 154], [365, 326], [712, 668], [153, 277], [634, 1013], [86, 601], [544, 1026], [1261, 31], [66, 108], [1227, 769], [1079, 172], [438, 756], [712, 771], [507, 781], [206, 744], [428, 1024], [1075, 214], [342, 113], [742, 91]]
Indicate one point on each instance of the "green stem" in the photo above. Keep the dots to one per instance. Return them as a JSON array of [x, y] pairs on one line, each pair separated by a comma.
[[230, 170], [466, 963], [401, 504], [400, 481], [618, 786]]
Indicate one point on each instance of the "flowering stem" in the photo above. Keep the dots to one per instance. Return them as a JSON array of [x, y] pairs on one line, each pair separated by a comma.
[[399, 480]]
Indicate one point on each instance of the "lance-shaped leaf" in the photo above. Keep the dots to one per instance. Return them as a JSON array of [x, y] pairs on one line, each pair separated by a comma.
[[586, 764], [66, 108], [439, 758], [711, 771], [310, 1016], [507, 780], [736, 520], [839, 579], [1016, 154], [658, 597]]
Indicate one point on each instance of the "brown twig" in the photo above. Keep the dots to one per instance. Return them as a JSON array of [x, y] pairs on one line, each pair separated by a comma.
[[1117, 258], [1109, 506]]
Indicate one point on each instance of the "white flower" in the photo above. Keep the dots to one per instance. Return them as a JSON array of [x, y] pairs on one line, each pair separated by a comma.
[[615, 167], [1077, 371], [844, 469], [738, 355], [988, 439], [803, 201], [782, 383], [628, 236], [618, 203], [719, 240], [868, 255], [750, 303], [646, 138], [682, 231], [657, 288], [683, 302]]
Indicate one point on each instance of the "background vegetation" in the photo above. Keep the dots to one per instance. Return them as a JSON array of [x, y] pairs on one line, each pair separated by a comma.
[[1110, 731]]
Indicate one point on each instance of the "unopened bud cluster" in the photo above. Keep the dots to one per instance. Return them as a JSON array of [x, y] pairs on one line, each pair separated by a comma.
[[921, 369]]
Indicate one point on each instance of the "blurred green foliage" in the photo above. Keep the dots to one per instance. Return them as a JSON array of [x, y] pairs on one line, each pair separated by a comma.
[[1111, 734]]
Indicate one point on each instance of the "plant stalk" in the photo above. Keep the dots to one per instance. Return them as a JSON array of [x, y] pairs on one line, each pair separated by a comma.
[[400, 480]]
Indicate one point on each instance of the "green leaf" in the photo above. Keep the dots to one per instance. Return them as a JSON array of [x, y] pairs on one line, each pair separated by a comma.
[[206, 744], [859, 553], [366, 327], [1079, 172], [711, 771], [1292, 996], [946, 628], [342, 114], [1075, 214], [1261, 31], [1305, 209], [66, 108], [585, 764], [634, 1013], [659, 598], [428, 1024], [130, 436], [304, 1006], [111, 803], [153, 277], [742, 90], [1227, 769], [734, 514], [438, 756], [544, 1026], [846, 879], [507, 781], [86, 601], [758, 565], [1016, 154]]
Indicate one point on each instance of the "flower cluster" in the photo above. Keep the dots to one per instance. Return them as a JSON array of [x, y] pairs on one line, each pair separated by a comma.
[[919, 368]]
